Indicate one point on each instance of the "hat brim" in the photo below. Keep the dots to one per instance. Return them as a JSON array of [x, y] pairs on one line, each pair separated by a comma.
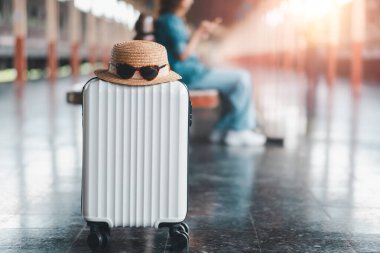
[[104, 75]]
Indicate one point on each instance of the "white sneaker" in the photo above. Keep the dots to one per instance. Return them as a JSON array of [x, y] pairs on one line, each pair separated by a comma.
[[244, 138], [217, 136]]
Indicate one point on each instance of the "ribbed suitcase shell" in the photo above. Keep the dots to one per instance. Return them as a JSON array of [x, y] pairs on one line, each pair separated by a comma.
[[135, 148]]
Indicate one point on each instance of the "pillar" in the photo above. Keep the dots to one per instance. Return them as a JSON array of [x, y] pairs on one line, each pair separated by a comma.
[[312, 68], [358, 20], [300, 52], [156, 11], [91, 39], [104, 42], [312, 57], [20, 32], [332, 46], [74, 32], [51, 30]]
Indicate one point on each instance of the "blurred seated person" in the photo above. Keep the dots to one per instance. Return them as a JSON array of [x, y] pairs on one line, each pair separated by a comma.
[[237, 120], [144, 28]]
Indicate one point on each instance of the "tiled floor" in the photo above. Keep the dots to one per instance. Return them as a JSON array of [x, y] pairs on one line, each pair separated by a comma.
[[318, 193]]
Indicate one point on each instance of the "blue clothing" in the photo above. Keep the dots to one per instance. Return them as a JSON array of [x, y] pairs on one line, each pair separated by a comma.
[[235, 88], [172, 32], [233, 85]]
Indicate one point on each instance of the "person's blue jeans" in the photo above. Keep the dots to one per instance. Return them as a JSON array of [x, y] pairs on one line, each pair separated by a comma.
[[235, 89]]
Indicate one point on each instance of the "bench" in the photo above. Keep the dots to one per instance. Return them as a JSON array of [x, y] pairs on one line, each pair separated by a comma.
[[200, 99]]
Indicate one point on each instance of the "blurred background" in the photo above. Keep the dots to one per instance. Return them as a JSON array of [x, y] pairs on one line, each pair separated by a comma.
[[315, 66], [318, 41], [276, 33], [280, 33]]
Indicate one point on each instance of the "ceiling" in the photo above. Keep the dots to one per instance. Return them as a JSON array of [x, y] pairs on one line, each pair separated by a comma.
[[229, 10]]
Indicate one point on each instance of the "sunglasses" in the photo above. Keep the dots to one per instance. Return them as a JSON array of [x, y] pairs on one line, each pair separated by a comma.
[[127, 71]]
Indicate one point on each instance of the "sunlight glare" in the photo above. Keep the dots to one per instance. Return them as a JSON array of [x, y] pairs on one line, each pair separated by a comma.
[[120, 11]]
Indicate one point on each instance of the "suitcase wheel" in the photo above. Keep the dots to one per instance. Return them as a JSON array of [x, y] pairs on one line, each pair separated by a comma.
[[185, 227], [179, 236], [99, 236]]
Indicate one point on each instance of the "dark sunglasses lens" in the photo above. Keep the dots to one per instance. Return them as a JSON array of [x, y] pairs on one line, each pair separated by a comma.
[[125, 71], [149, 73]]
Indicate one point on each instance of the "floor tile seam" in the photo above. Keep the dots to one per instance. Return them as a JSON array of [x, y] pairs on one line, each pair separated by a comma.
[[254, 228], [281, 202], [223, 229], [32, 228], [166, 242], [322, 249], [353, 207], [11, 247], [44, 214], [320, 205], [50, 228], [362, 144], [40, 196], [352, 246], [343, 239], [76, 238], [311, 239], [211, 164]]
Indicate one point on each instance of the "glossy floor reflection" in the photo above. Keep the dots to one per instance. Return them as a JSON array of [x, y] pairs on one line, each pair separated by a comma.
[[318, 193]]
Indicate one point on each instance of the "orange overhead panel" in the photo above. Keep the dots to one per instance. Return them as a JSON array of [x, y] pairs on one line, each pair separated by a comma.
[[229, 11]]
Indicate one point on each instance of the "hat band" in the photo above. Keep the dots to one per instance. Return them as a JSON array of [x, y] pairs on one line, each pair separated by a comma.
[[137, 76]]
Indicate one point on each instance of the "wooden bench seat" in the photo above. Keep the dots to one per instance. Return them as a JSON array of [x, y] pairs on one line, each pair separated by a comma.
[[204, 98], [199, 98]]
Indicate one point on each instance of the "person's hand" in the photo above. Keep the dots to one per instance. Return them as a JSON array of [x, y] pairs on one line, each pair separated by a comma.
[[201, 33], [206, 27]]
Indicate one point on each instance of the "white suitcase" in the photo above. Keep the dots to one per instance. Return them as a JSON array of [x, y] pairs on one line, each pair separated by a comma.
[[135, 155]]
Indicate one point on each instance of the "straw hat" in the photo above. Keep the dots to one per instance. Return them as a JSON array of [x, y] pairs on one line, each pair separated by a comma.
[[138, 53]]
